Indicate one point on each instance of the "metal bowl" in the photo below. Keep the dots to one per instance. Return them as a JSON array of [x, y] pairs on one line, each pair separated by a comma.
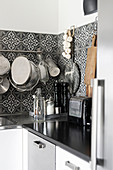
[[32, 81]]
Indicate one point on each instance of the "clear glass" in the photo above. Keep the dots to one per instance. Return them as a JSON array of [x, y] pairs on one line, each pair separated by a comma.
[[40, 109]]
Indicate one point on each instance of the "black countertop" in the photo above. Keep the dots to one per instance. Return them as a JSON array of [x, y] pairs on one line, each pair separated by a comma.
[[67, 135]]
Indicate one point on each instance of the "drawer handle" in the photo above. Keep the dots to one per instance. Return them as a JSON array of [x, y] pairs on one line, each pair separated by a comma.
[[39, 144], [71, 166]]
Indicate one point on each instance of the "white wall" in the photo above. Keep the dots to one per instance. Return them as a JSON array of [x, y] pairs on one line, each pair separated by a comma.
[[29, 15], [42, 16], [71, 13]]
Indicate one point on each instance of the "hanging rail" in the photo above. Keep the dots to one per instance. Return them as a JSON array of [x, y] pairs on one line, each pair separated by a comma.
[[20, 51]]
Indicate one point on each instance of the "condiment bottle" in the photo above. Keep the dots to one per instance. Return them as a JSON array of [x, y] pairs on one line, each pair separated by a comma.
[[50, 106], [57, 97]]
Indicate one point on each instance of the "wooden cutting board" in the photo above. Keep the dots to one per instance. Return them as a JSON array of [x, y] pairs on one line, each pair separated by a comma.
[[90, 65]]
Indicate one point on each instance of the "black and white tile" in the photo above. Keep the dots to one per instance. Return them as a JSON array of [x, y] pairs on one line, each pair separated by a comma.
[[30, 41], [49, 43], [82, 40], [51, 46], [11, 40]]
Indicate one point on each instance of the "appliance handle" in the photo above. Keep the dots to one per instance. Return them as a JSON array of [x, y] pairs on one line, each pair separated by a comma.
[[71, 166], [39, 144], [97, 130]]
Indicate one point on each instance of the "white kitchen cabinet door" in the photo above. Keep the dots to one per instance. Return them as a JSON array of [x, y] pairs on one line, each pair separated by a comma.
[[25, 149], [11, 149], [68, 161], [41, 153]]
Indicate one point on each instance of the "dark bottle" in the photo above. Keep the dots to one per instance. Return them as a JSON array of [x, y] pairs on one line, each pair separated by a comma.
[[64, 94], [57, 94]]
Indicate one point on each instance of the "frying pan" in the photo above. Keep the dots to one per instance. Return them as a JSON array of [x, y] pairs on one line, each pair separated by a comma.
[[73, 77]]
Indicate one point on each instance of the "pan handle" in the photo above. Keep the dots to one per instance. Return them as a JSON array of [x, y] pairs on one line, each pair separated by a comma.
[[1, 80]]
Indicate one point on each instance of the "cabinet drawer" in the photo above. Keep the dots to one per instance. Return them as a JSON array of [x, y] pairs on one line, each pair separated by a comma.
[[41, 154], [68, 161]]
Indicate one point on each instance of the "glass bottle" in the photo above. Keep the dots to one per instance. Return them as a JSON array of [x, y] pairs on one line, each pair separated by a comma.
[[40, 105], [44, 76]]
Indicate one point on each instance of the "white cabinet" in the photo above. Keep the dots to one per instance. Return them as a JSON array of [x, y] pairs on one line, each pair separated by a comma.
[[24, 149], [68, 161], [41, 153], [11, 149]]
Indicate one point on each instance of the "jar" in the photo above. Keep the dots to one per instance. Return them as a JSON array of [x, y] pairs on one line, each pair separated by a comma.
[[50, 106], [39, 105]]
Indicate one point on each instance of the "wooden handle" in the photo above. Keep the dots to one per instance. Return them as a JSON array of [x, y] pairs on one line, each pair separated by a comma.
[[88, 90], [93, 40]]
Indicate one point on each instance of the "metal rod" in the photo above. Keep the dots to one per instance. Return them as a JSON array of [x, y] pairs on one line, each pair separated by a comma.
[[23, 51], [20, 51], [82, 48]]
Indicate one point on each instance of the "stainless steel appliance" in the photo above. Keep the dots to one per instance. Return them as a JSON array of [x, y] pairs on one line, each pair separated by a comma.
[[80, 110], [102, 103]]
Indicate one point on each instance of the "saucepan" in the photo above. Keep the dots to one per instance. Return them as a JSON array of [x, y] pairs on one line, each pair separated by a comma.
[[4, 70], [4, 66], [25, 75], [4, 85]]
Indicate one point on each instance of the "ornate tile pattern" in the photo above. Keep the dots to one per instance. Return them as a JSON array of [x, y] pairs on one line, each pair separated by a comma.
[[51, 46], [49, 43], [11, 40], [82, 40], [30, 41], [11, 103], [83, 36]]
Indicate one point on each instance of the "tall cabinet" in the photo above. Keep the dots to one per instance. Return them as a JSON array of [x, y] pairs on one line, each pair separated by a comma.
[[105, 72]]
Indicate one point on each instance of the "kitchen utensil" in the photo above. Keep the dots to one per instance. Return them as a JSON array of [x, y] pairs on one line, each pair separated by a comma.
[[57, 97], [61, 95], [20, 70], [4, 65], [44, 77], [73, 77], [53, 69], [4, 85], [64, 92], [90, 66], [31, 81]]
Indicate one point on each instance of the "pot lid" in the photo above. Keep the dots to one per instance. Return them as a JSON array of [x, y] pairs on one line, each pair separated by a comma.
[[20, 70], [4, 65]]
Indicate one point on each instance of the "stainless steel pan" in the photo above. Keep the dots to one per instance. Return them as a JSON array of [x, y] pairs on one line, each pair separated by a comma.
[[4, 85], [4, 66], [31, 81]]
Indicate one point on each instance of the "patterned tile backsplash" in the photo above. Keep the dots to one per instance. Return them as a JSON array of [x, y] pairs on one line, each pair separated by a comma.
[[51, 46]]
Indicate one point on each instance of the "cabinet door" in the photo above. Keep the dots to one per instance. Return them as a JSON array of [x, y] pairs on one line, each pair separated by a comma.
[[41, 154], [68, 161], [11, 149], [25, 148]]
